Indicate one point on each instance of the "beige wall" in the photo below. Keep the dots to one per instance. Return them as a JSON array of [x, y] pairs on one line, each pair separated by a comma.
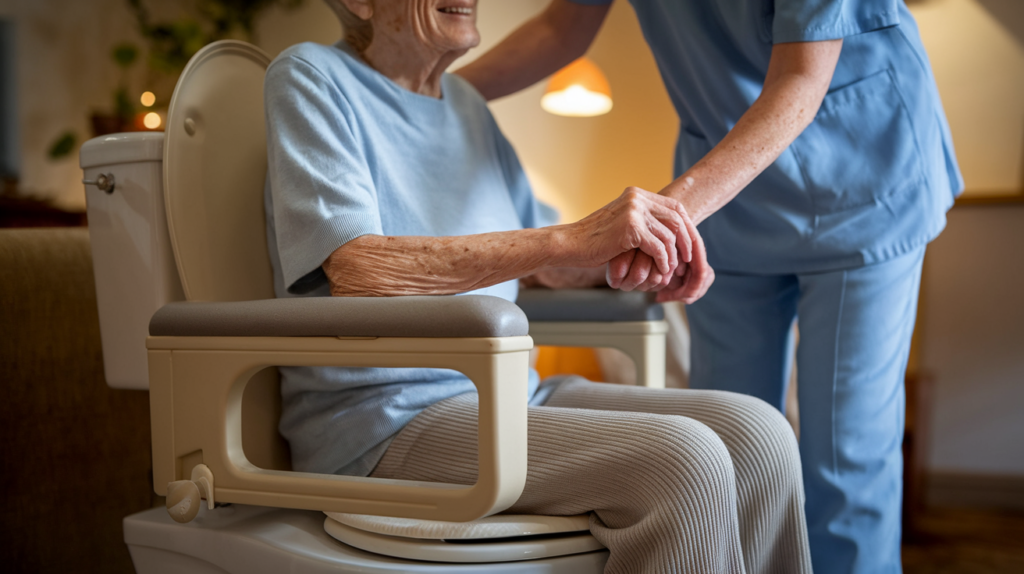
[[313, 22], [977, 52], [972, 339]]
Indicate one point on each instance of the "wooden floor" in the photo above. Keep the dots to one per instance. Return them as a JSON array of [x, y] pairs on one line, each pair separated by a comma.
[[954, 541]]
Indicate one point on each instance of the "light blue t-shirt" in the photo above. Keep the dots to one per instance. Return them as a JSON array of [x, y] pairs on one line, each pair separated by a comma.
[[870, 179], [351, 153]]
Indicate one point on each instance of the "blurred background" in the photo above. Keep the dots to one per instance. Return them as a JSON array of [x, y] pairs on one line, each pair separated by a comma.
[[74, 69]]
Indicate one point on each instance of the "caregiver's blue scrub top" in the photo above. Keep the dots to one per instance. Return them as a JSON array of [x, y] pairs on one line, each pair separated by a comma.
[[870, 179]]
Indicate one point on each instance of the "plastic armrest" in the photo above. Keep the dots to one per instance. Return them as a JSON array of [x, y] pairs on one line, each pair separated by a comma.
[[202, 355], [433, 317], [588, 305], [631, 322]]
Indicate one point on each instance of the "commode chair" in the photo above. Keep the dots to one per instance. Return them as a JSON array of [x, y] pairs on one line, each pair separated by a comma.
[[187, 311]]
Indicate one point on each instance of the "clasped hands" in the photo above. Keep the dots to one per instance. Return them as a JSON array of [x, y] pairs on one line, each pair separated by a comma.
[[649, 243]]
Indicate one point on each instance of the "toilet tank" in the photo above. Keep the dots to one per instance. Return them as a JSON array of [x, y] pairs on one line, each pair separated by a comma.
[[133, 263]]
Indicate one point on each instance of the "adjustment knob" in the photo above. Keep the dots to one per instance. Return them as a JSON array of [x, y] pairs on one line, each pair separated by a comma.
[[183, 500]]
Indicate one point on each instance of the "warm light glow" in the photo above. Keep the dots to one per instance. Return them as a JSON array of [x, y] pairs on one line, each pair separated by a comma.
[[579, 89], [152, 120], [148, 99], [576, 101]]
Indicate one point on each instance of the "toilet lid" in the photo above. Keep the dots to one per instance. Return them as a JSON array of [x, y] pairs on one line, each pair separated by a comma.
[[215, 164]]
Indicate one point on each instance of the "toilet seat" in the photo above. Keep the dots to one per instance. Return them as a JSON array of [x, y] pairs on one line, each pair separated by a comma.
[[501, 538], [489, 527]]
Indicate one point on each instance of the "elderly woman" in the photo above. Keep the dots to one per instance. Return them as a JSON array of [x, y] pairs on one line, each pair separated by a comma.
[[389, 177]]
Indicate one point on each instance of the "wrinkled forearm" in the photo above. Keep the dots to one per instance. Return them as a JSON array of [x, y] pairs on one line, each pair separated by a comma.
[[374, 265], [379, 266]]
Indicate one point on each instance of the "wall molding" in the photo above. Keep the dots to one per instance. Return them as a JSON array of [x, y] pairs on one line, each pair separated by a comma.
[[975, 490], [976, 199]]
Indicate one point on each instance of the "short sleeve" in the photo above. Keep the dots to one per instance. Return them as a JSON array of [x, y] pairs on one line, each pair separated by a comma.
[[818, 20], [320, 185], [532, 213]]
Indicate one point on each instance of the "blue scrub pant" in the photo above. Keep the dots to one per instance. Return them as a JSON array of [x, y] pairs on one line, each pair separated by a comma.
[[855, 329]]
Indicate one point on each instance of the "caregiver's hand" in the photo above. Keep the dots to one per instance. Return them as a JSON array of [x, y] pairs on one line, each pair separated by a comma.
[[652, 224], [636, 270]]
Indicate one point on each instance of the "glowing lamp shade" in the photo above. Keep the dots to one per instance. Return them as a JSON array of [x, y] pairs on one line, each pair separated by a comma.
[[579, 89]]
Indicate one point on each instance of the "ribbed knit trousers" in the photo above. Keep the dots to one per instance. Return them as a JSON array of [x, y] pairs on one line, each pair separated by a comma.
[[676, 480]]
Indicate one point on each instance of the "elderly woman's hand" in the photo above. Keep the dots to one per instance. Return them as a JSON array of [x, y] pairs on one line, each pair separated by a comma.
[[649, 223], [637, 270]]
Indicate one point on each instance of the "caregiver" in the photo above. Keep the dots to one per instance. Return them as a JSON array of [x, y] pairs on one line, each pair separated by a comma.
[[814, 154]]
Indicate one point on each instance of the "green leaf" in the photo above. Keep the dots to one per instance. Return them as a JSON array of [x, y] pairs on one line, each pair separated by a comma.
[[125, 54], [63, 146]]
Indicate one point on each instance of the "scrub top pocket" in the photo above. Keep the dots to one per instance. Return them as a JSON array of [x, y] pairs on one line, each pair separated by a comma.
[[860, 147]]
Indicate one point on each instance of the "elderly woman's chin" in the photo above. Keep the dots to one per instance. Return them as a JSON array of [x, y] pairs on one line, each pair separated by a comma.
[[460, 42], [455, 25]]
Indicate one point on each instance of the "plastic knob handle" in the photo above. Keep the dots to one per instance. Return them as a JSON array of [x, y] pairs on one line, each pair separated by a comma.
[[183, 500], [104, 181]]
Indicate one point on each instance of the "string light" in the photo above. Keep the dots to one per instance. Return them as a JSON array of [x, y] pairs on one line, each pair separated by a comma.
[[148, 99], [152, 120]]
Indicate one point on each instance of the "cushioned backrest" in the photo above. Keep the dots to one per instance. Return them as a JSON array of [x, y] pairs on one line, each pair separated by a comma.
[[215, 164]]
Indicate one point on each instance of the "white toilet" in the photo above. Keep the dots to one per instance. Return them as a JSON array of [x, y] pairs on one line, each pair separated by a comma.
[[258, 540], [137, 273]]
